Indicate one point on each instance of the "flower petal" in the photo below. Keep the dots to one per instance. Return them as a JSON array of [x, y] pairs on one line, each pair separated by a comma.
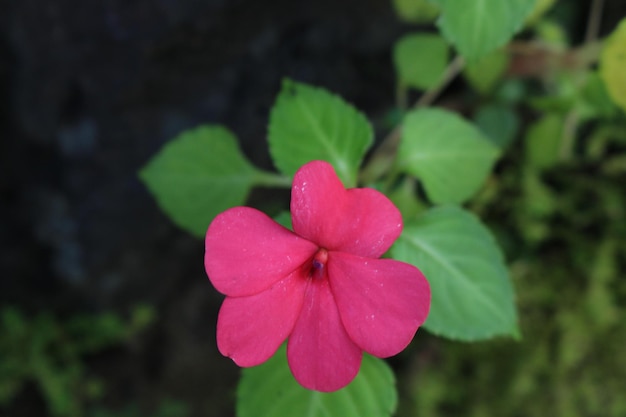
[[382, 302], [250, 329], [247, 252], [320, 354], [361, 221]]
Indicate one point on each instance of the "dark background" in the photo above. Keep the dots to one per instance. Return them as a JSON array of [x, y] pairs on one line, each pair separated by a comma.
[[90, 90]]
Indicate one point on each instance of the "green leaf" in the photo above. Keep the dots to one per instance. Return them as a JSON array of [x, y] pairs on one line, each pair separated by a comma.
[[478, 27], [539, 200], [612, 64], [405, 199], [472, 296], [199, 174], [540, 8], [284, 219], [552, 35], [450, 156], [269, 390], [511, 91], [485, 73], [420, 60], [499, 123], [543, 141], [308, 123], [594, 101], [416, 11]]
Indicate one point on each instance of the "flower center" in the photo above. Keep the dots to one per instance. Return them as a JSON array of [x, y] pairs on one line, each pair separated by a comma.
[[318, 264]]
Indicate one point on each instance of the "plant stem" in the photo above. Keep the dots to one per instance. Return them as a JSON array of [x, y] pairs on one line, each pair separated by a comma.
[[401, 96], [591, 50], [269, 179], [568, 137], [449, 74], [382, 159], [593, 24]]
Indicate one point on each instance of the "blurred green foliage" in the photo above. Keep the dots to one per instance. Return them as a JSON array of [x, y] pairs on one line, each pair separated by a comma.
[[565, 233], [50, 353], [167, 408], [558, 208]]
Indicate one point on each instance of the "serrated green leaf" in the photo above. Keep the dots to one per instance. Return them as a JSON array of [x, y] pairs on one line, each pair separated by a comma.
[[472, 296], [269, 390], [420, 59], [309, 123], [543, 141], [450, 156], [484, 73], [499, 123], [478, 27], [197, 175], [613, 64]]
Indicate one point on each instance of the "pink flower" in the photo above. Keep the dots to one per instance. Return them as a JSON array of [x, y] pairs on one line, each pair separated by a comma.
[[321, 286]]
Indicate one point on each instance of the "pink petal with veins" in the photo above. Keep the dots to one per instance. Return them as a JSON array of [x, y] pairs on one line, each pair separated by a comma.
[[250, 329], [321, 355], [361, 221], [247, 252], [381, 302]]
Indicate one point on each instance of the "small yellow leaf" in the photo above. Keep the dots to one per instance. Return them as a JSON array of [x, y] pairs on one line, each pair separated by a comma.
[[613, 65]]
